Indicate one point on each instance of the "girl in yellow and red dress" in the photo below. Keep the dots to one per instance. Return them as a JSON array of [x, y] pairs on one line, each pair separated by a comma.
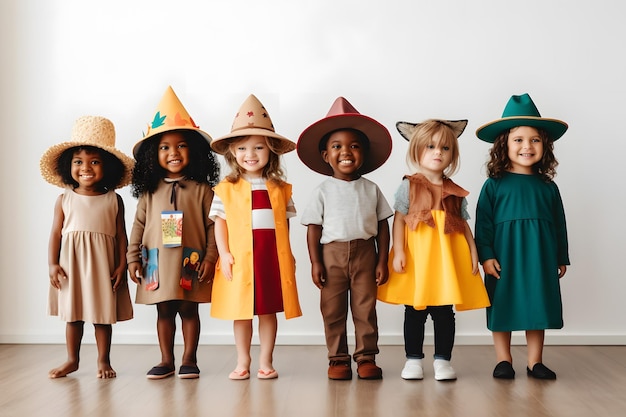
[[434, 261], [251, 210]]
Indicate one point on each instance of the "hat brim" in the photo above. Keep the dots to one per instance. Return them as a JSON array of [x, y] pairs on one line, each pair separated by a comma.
[[137, 147], [377, 134], [489, 132], [221, 144], [50, 158]]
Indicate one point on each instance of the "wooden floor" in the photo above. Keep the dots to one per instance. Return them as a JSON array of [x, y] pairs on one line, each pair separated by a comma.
[[591, 382]]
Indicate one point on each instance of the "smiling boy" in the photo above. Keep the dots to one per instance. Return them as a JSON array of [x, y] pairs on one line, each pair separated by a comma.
[[347, 232]]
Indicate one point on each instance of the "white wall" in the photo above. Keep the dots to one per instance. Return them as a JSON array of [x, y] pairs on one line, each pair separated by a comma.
[[393, 60]]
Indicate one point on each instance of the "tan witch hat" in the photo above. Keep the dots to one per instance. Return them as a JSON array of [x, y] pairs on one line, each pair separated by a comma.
[[342, 115], [252, 119], [170, 115], [87, 131], [407, 129]]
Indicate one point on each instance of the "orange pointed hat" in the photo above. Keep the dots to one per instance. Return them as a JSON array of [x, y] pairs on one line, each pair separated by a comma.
[[253, 119], [170, 115], [342, 115]]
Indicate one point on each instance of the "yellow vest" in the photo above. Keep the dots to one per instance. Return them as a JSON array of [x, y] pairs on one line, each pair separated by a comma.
[[234, 300]]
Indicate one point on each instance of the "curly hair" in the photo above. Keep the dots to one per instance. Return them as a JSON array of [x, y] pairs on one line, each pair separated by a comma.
[[203, 165], [272, 171], [423, 136], [112, 167], [499, 161]]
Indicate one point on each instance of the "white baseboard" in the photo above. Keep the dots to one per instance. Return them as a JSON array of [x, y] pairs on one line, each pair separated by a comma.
[[318, 339]]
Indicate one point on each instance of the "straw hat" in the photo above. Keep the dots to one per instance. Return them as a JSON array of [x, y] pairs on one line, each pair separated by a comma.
[[170, 115], [407, 129], [521, 111], [87, 131], [342, 115], [252, 119]]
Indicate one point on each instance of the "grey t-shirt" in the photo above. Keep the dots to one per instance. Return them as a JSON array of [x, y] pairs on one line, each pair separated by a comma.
[[346, 210]]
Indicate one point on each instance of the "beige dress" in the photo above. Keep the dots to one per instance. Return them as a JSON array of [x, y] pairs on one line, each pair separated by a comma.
[[88, 257]]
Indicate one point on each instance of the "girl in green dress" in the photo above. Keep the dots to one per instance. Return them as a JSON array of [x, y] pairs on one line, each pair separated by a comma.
[[521, 234]]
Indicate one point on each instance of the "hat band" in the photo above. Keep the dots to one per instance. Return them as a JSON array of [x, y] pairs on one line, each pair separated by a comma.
[[252, 127]]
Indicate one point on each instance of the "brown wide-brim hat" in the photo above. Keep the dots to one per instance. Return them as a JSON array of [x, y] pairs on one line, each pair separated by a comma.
[[93, 131], [521, 111], [342, 115], [408, 129], [170, 115], [253, 119]]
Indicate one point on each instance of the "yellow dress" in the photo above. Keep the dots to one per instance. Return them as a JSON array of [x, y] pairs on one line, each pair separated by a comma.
[[438, 270]]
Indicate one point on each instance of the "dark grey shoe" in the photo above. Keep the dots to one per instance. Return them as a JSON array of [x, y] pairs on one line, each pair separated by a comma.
[[540, 371], [504, 370]]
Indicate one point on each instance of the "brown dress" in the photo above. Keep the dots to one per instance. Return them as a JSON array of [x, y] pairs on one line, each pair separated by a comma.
[[194, 200]]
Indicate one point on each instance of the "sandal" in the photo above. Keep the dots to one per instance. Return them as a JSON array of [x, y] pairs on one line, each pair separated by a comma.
[[271, 374], [239, 375]]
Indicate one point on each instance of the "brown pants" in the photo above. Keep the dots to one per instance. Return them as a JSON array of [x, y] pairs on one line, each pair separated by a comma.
[[350, 274]]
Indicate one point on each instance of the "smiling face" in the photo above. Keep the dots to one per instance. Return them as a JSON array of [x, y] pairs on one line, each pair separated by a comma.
[[345, 153], [252, 154], [173, 153], [87, 170], [525, 149]]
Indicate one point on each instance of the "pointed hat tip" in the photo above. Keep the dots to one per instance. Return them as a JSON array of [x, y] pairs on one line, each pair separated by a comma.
[[341, 106]]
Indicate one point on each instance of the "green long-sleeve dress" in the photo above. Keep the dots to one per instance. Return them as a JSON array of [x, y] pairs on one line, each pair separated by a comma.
[[520, 221]]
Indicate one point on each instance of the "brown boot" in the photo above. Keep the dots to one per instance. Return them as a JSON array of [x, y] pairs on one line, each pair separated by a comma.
[[367, 369], [339, 370]]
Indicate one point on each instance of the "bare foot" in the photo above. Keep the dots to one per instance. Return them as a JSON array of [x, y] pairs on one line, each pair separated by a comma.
[[67, 368], [105, 371]]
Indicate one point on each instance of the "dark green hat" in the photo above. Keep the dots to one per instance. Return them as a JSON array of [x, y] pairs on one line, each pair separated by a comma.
[[521, 111]]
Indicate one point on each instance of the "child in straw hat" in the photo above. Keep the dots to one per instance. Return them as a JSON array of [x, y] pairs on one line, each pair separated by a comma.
[[521, 234], [251, 209], [347, 231], [172, 252], [87, 247]]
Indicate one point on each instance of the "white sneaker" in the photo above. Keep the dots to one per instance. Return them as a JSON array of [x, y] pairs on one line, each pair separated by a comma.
[[443, 370], [412, 369]]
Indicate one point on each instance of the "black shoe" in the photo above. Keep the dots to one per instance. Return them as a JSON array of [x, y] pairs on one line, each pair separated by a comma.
[[504, 370], [540, 371]]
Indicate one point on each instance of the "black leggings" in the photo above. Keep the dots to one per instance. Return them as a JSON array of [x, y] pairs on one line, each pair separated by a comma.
[[444, 327]]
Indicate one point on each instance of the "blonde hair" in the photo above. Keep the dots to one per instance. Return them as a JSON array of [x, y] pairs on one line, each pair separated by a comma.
[[424, 135], [272, 171]]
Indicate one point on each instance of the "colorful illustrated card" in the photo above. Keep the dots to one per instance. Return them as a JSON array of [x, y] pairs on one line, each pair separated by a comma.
[[150, 265], [191, 265], [172, 228]]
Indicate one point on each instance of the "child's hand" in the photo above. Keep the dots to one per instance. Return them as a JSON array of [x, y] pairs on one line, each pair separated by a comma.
[[206, 271], [382, 274], [492, 267], [116, 279], [226, 264], [317, 273], [399, 261], [474, 262], [56, 274], [134, 269]]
